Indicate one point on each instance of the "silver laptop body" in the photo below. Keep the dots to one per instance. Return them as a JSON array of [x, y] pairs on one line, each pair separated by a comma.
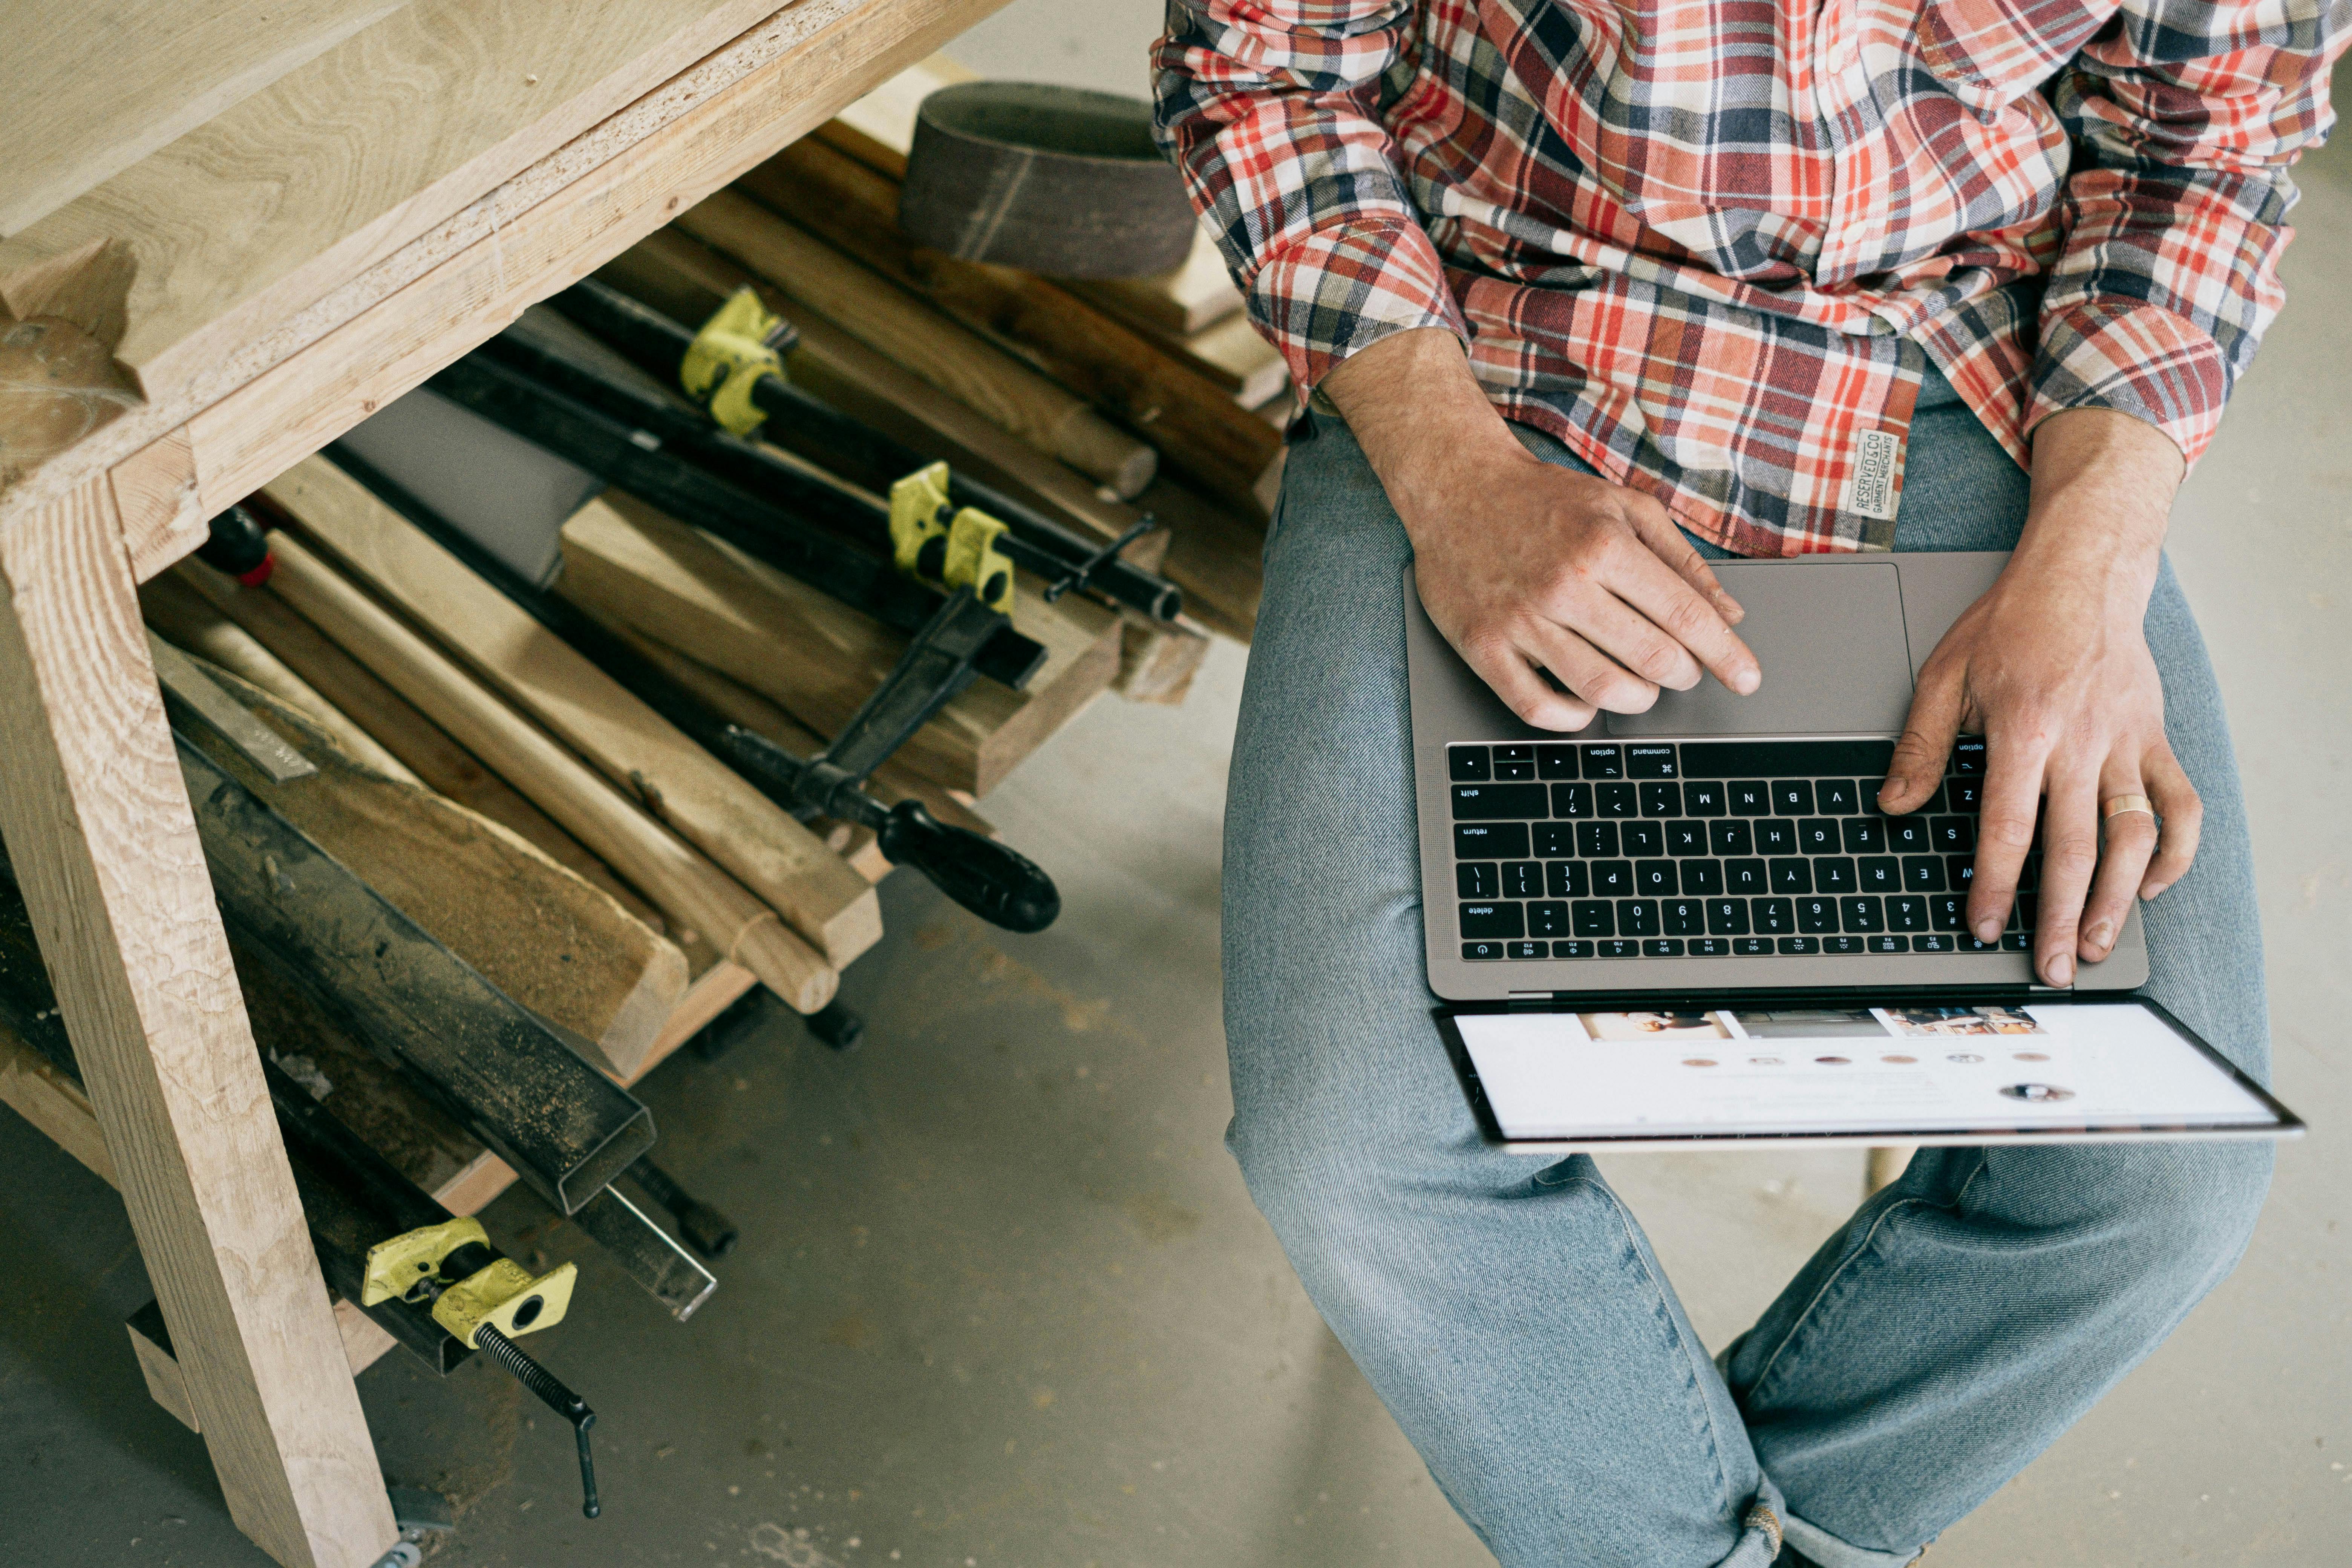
[[1841, 639]]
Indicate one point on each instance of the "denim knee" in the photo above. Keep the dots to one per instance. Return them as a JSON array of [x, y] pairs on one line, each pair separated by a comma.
[[2165, 1218]]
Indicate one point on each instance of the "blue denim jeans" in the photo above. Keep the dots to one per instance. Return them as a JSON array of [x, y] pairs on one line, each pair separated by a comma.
[[1512, 1314]]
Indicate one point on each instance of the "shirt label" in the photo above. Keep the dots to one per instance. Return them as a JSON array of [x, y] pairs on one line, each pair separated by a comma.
[[1874, 475]]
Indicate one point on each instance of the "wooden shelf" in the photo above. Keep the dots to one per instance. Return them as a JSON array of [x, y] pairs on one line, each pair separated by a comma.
[[172, 338]]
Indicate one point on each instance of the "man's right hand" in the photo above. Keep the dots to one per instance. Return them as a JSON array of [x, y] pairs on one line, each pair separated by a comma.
[[1527, 566]]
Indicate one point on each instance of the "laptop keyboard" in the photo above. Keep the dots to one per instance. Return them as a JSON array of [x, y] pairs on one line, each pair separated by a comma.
[[1713, 850]]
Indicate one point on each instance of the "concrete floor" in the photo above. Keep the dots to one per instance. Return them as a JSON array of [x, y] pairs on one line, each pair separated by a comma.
[[1003, 1301]]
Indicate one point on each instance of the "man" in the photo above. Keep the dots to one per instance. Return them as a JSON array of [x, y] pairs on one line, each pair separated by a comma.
[[1585, 293]]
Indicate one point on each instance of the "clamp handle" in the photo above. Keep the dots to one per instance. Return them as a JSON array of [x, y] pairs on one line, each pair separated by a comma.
[[994, 882]]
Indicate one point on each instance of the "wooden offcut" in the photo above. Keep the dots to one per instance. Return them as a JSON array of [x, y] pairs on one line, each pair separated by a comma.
[[817, 656], [706, 803]]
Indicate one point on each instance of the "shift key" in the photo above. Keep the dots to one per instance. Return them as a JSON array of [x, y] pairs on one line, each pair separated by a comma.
[[1500, 802]]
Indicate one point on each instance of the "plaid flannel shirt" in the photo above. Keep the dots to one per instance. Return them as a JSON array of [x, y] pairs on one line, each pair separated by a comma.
[[1712, 244]]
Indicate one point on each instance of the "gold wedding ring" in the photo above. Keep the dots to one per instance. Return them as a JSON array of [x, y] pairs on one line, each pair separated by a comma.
[[2116, 805]]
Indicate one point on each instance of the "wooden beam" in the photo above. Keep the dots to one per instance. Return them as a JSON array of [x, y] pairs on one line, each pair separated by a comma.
[[703, 801], [103, 840]]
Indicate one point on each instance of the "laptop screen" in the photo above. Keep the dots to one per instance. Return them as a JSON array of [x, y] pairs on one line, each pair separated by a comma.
[[1782, 1069]]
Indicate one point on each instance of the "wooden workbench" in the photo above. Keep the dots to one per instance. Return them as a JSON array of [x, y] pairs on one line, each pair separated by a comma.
[[216, 300]]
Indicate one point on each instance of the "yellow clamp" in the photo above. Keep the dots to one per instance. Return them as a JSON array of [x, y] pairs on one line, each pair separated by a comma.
[[931, 539], [734, 349], [503, 1294]]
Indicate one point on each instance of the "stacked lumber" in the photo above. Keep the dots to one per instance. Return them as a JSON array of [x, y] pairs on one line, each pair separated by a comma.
[[982, 363]]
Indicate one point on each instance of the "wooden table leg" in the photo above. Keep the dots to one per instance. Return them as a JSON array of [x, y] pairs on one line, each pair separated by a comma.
[[96, 822]]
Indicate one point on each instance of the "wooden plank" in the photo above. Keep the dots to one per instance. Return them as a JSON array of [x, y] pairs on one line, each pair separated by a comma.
[[1208, 439], [97, 825], [707, 803], [155, 491], [1000, 388], [86, 92], [53, 1103], [695, 894], [877, 129], [1214, 556], [817, 656], [679, 274], [543, 936], [1156, 662], [1232, 355], [384, 135]]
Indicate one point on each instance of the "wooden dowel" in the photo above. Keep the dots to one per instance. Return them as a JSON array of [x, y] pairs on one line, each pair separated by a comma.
[[193, 622], [707, 803], [1009, 393], [680, 276], [693, 892], [1214, 443]]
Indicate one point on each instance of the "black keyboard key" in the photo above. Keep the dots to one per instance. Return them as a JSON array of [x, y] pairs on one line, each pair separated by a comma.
[[1783, 759], [1493, 920], [1643, 837], [1909, 913], [1968, 755], [1776, 836], [1750, 797], [1547, 918], [1816, 915], [1933, 941], [1596, 840], [1556, 762], [1751, 946], [1468, 765], [1703, 798], [1953, 834], [1817, 835], [1799, 944], [1518, 752], [1929, 806], [1618, 800], [1613, 879], [1514, 771], [1654, 879], [1521, 880], [1746, 878], [1959, 870], [1593, 918], [1792, 797], [1571, 949], [1971, 944], [1490, 840], [1837, 797], [1572, 801], [1889, 945], [1476, 951], [1620, 948], [1792, 876], [2025, 902], [1773, 917], [1879, 873], [1704, 878], [1710, 947], [1948, 912], [1526, 949], [2029, 875], [1863, 834], [1604, 762], [1567, 880], [1662, 800], [1923, 873], [1477, 879], [1727, 917], [1500, 802], [1845, 945], [1637, 917], [1553, 840], [1835, 874], [1728, 839], [1662, 947], [1650, 762], [1862, 914], [1687, 837], [1964, 795], [2017, 941], [1909, 836], [1682, 917]]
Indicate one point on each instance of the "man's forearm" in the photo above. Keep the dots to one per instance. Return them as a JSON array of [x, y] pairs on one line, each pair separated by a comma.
[[2102, 490], [1421, 416]]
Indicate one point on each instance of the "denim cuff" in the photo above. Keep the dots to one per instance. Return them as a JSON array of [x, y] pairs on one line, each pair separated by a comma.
[[1819, 1546]]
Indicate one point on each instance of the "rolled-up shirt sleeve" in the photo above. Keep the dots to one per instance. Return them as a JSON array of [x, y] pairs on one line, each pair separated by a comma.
[[2185, 118], [1271, 109]]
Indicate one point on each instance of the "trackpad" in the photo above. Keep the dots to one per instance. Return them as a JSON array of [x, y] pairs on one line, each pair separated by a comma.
[[1830, 640]]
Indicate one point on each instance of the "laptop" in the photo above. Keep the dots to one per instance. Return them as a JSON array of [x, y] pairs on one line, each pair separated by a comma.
[[1693, 927]]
